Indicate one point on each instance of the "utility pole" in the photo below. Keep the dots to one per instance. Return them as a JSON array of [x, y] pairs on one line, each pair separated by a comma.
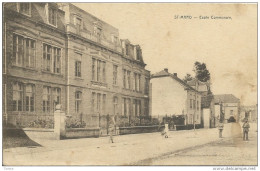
[[194, 111]]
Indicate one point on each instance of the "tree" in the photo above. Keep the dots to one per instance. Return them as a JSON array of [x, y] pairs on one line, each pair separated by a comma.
[[201, 71], [187, 78]]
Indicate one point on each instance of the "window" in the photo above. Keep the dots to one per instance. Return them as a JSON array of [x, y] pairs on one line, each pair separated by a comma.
[[146, 107], [52, 18], [98, 70], [98, 102], [136, 107], [29, 97], [146, 91], [114, 39], [24, 8], [104, 104], [124, 79], [78, 69], [56, 97], [51, 59], [17, 104], [198, 105], [128, 80], [93, 69], [194, 104], [127, 49], [115, 74], [138, 82], [93, 102], [126, 106], [23, 51], [78, 101], [78, 24], [46, 98], [191, 103], [115, 102], [138, 54], [56, 60]]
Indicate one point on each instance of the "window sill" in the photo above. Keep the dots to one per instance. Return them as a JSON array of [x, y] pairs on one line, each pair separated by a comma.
[[99, 83], [52, 25], [48, 72], [27, 15], [25, 68], [78, 78], [115, 86]]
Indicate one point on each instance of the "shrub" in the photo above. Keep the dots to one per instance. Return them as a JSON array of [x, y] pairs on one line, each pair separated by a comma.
[[231, 119], [42, 123], [75, 123]]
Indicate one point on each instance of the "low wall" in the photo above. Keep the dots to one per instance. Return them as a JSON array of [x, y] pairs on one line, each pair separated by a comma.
[[40, 133], [138, 129], [81, 132]]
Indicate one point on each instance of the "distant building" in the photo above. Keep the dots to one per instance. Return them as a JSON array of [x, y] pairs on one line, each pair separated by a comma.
[[230, 106], [207, 102], [172, 96], [249, 112]]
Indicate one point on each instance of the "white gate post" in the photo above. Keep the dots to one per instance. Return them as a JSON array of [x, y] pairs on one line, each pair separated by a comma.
[[59, 122]]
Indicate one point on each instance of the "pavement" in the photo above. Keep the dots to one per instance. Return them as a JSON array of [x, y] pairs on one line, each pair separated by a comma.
[[134, 149]]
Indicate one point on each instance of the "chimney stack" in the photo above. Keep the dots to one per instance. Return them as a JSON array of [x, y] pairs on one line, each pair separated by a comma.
[[166, 69], [175, 74]]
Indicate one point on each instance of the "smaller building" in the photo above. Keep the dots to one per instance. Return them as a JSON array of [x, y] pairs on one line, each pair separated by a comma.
[[249, 112], [230, 106], [172, 96], [207, 102]]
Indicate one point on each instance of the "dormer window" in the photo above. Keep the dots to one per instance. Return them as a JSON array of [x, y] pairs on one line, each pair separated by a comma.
[[114, 39], [24, 8], [52, 17]]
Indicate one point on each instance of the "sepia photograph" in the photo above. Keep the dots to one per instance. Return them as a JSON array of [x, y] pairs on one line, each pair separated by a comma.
[[130, 84]]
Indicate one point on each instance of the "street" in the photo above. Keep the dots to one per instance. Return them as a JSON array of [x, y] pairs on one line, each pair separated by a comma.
[[200, 147]]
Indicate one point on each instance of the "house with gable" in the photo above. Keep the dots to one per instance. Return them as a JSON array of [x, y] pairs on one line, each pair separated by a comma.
[[208, 118], [230, 105], [172, 96]]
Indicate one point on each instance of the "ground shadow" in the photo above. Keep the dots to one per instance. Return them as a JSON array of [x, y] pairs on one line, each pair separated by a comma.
[[16, 137]]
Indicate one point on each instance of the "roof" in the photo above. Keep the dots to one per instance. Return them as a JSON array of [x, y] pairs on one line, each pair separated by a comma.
[[226, 98], [206, 100], [164, 73], [193, 82]]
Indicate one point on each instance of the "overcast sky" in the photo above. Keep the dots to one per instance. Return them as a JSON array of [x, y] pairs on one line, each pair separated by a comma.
[[227, 46]]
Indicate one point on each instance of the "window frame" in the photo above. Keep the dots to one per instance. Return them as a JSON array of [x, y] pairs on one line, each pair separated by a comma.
[[20, 92], [18, 6], [56, 92], [23, 55], [78, 102], [46, 107], [55, 11], [78, 69], [52, 55], [30, 105]]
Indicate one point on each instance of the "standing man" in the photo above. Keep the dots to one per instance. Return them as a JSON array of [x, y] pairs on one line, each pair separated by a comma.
[[246, 127], [220, 128]]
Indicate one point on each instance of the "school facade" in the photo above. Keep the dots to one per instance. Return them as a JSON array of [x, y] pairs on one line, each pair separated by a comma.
[[57, 53]]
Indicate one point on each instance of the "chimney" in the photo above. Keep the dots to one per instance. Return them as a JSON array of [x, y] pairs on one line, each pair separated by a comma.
[[175, 74], [166, 69]]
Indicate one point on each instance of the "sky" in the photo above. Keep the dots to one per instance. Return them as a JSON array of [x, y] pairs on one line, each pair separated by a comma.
[[227, 46]]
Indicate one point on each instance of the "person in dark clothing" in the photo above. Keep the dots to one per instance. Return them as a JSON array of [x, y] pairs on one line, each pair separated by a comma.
[[246, 127]]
